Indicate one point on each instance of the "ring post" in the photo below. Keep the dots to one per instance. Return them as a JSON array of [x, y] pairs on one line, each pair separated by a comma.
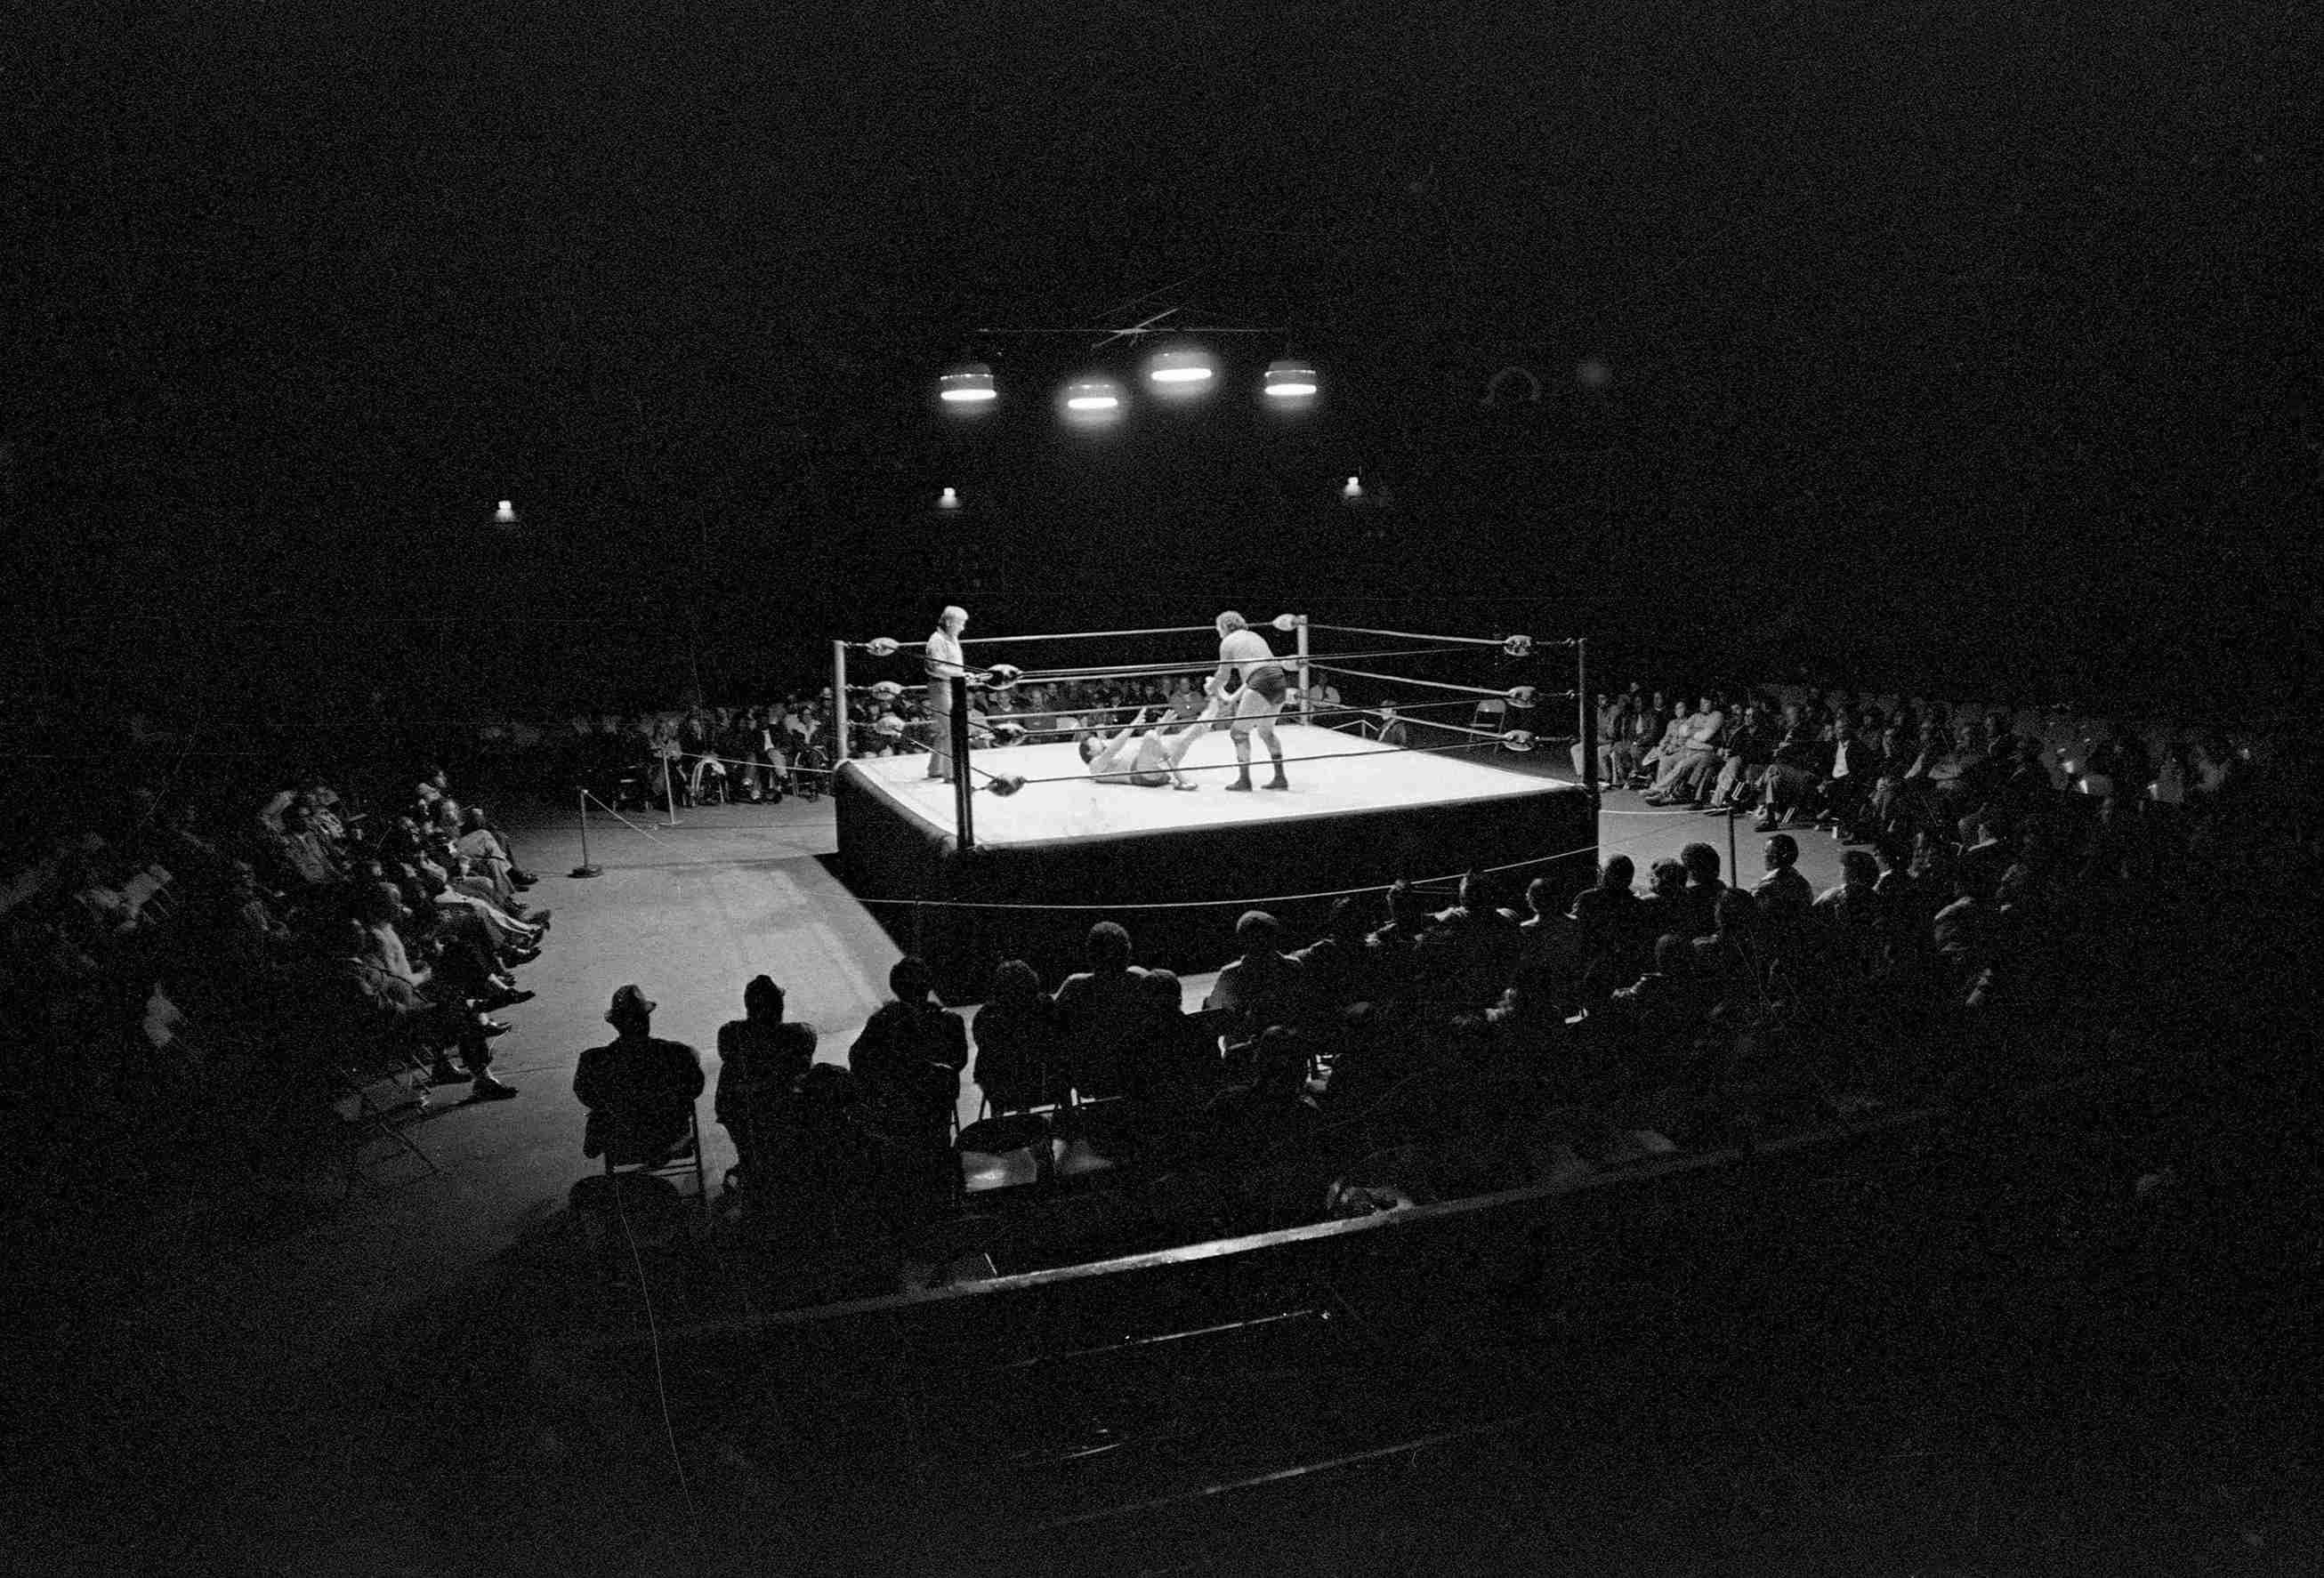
[[963, 793], [1588, 720], [584, 868], [839, 703], [1306, 695]]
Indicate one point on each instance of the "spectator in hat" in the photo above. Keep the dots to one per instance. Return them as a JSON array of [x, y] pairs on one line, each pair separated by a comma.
[[639, 1088]]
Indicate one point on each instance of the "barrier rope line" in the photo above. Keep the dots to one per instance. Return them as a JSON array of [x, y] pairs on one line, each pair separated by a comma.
[[618, 817], [1449, 880], [1281, 898]]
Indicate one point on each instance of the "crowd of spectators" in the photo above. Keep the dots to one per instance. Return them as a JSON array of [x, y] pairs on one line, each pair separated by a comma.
[[764, 754], [201, 974], [2010, 912], [223, 955]]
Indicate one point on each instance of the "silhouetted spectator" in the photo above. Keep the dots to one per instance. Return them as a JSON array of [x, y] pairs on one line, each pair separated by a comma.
[[909, 1058], [761, 1057], [1263, 985], [1102, 1009], [1020, 1047], [639, 1090]]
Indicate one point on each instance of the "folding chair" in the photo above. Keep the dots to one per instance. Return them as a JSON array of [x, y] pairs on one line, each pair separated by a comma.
[[1014, 1152], [1492, 715], [374, 1106], [676, 1163]]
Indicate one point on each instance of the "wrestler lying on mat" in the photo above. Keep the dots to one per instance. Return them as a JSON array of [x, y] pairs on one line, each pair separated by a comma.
[[1151, 759]]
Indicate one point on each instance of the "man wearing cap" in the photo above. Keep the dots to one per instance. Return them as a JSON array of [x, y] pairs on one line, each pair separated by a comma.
[[639, 1088], [1254, 703], [943, 662]]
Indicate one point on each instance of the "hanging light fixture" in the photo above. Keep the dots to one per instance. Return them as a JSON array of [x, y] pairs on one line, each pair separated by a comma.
[[1290, 378], [1092, 401], [968, 384], [1180, 371], [504, 516], [949, 499]]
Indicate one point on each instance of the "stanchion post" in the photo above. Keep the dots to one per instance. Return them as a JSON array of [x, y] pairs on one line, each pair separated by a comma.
[[668, 795], [963, 792], [839, 703], [584, 868], [1733, 861]]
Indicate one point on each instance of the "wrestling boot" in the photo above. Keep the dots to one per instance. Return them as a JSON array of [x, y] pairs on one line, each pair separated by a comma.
[[1242, 782], [1278, 780]]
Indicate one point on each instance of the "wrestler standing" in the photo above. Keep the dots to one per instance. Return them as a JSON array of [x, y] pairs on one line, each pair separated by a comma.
[[944, 661], [1255, 702]]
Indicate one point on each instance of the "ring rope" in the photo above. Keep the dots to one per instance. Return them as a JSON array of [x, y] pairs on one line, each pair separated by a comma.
[[1411, 636], [995, 724], [1283, 659], [1500, 695], [1329, 755], [1094, 635]]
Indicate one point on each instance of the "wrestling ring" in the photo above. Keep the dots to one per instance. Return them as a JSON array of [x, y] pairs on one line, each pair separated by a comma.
[[1017, 856]]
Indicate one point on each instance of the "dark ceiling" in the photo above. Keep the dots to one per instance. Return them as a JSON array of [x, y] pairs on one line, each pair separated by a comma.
[[1942, 327]]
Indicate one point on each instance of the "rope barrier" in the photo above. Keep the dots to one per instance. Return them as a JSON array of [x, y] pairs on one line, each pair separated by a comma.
[[618, 817], [1259, 902], [1262, 901]]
